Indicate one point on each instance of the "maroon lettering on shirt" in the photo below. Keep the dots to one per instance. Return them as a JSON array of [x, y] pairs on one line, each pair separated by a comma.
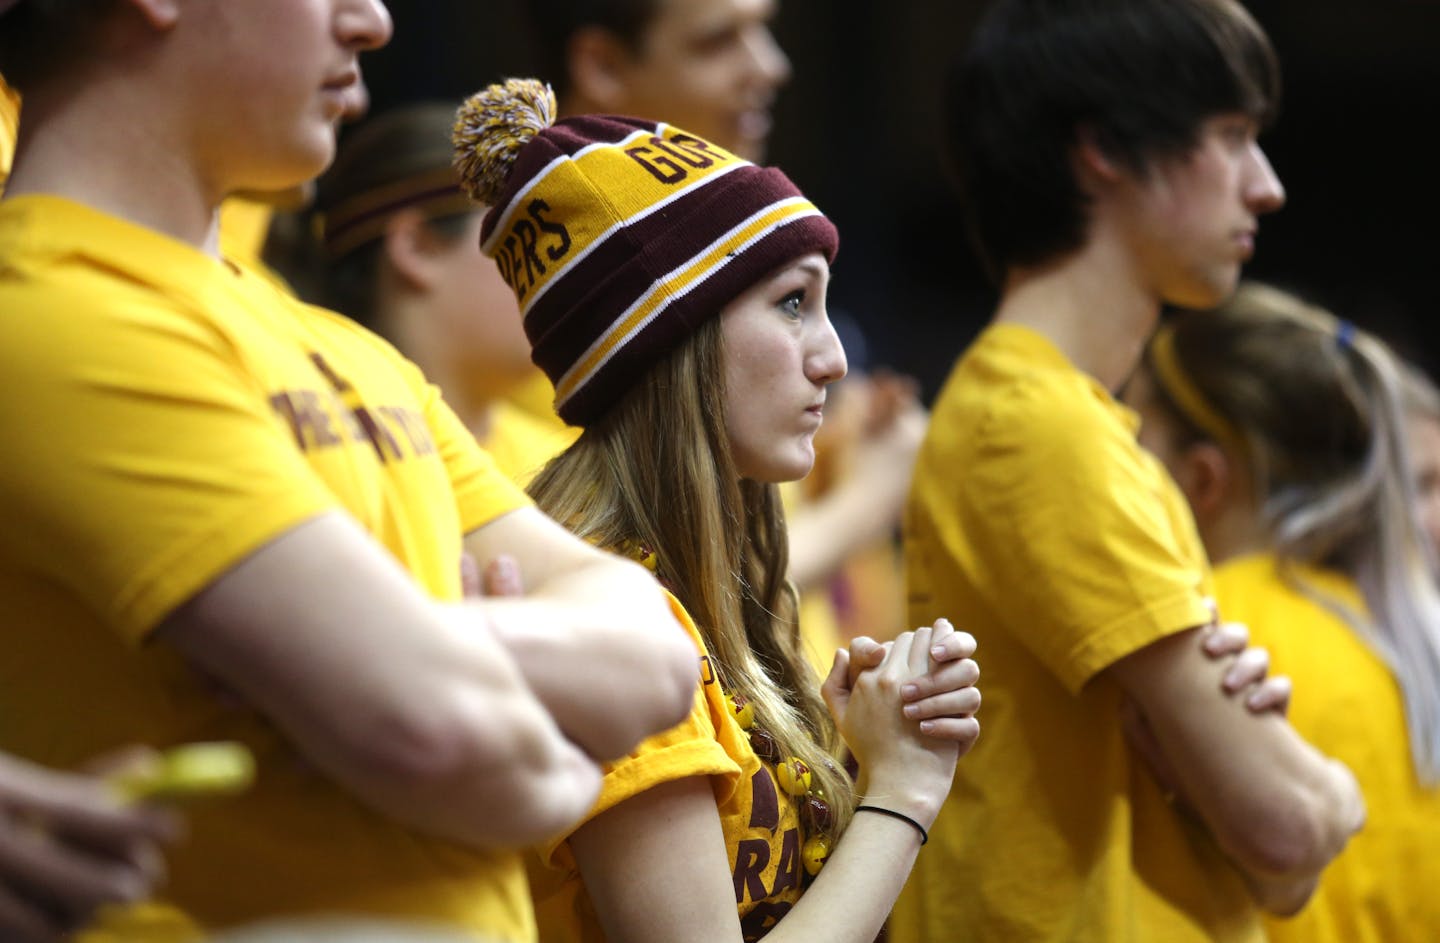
[[309, 421]]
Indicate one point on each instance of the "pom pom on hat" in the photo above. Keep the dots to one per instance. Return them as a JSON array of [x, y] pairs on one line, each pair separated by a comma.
[[491, 128]]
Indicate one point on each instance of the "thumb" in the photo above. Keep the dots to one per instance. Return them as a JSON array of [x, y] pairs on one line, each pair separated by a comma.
[[836, 687], [864, 653]]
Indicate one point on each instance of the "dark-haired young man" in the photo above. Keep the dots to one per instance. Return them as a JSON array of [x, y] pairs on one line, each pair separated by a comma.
[[1107, 154]]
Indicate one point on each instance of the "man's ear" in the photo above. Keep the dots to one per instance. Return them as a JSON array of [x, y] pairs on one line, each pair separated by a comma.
[[410, 248], [598, 62], [1207, 476], [160, 14], [1093, 163]]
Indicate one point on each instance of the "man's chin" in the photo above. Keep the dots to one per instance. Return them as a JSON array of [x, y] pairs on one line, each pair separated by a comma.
[[1202, 295]]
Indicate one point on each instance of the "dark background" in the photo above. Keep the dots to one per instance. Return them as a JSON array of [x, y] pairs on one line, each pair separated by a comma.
[[1355, 146]]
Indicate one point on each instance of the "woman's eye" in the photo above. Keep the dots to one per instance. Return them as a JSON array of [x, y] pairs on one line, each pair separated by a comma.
[[791, 303]]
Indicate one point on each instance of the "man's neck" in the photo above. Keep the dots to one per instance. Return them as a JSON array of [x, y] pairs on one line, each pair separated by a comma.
[[1091, 304], [104, 146]]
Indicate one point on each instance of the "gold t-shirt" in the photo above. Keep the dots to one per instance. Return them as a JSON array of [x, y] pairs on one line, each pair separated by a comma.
[[760, 821], [167, 414], [1038, 524], [1382, 887], [520, 444]]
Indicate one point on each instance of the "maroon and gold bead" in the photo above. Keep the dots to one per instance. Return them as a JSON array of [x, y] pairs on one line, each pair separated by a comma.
[[815, 853], [764, 745], [794, 776], [742, 710], [817, 814]]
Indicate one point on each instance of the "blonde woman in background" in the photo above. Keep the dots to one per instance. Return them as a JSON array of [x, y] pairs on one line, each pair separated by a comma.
[[1285, 429]]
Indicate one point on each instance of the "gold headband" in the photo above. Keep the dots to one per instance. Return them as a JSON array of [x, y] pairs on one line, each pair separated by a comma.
[[361, 218], [1186, 395]]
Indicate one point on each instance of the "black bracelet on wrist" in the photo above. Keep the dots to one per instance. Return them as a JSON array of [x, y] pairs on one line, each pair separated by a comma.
[[924, 836]]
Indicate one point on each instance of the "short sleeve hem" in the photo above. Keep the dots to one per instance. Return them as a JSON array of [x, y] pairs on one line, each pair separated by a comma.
[[191, 564], [1098, 651], [484, 503], [638, 774]]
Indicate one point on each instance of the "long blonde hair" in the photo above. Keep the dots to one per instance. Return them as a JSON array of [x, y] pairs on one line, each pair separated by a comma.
[[1317, 408], [656, 470]]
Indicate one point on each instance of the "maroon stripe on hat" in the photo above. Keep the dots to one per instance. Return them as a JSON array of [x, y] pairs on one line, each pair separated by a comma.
[[705, 299], [563, 139], [660, 243], [596, 308], [572, 135]]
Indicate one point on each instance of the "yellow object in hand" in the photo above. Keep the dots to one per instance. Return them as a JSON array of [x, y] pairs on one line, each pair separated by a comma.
[[190, 770]]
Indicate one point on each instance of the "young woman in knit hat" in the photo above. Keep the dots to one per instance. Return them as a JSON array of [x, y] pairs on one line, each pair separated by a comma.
[[675, 295], [208, 482], [714, 68], [1285, 428]]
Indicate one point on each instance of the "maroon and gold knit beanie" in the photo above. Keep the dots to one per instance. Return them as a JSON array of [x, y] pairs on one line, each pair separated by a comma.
[[619, 236]]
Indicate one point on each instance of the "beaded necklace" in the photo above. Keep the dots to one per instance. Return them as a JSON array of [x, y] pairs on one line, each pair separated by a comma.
[[793, 775]]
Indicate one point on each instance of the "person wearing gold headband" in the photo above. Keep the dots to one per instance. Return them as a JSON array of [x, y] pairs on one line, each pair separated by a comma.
[[1285, 428], [400, 254]]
